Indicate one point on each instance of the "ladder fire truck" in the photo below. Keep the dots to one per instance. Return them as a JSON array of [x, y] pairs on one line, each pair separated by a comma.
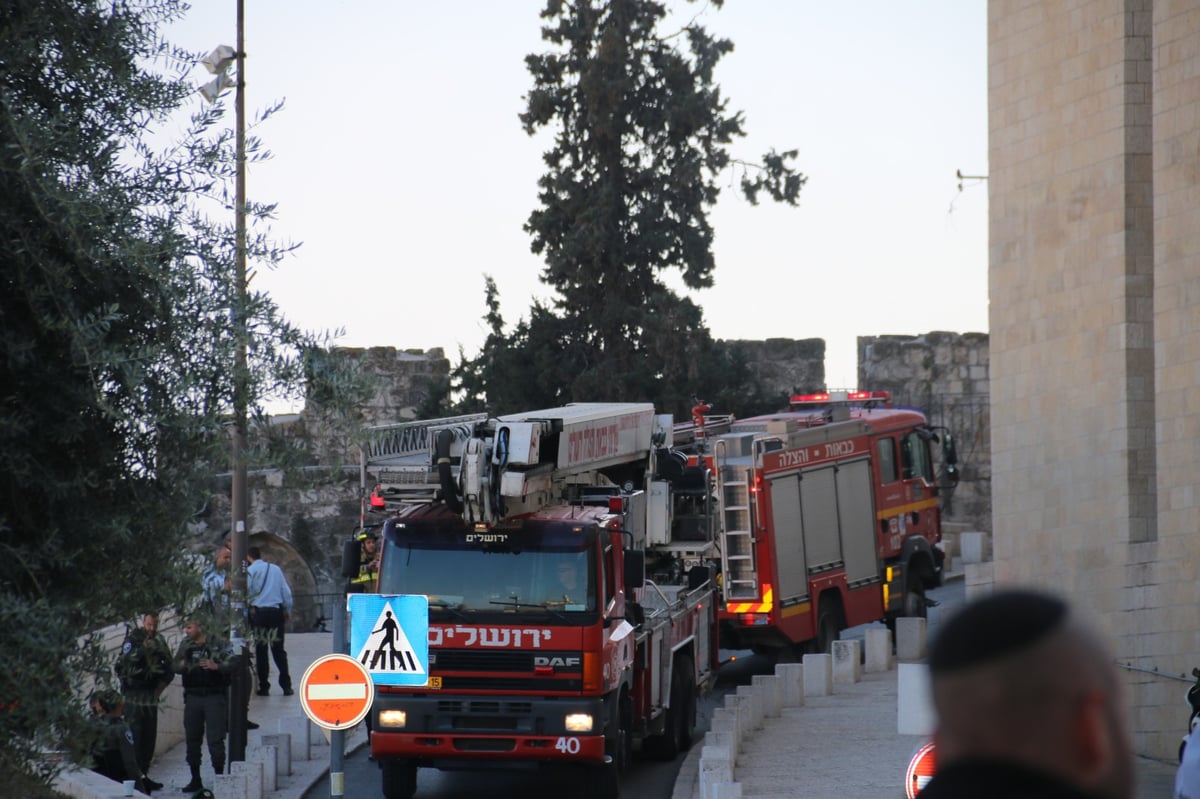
[[827, 516], [566, 626]]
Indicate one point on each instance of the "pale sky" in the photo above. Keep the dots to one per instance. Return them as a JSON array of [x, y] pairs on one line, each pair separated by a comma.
[[400, 165]]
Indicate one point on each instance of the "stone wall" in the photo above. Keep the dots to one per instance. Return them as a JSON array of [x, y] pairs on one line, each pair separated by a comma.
[[786, 365], [947, 376], [1093, 266]]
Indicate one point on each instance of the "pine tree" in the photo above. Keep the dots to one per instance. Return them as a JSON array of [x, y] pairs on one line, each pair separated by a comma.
[[642, 133]]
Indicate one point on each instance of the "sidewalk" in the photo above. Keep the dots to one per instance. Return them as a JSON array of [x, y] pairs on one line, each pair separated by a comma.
[[846, 744], [274, 714]]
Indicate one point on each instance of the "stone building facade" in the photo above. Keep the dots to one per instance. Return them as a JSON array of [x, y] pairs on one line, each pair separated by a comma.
[[1094, 288]]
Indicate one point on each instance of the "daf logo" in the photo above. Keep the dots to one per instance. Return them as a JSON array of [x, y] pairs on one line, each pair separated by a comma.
[[555, 661]]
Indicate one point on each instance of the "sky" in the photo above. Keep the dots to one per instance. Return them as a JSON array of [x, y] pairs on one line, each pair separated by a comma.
[[400, 167]]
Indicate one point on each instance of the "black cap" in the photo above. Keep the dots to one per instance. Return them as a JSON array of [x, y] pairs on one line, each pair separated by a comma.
[[997, 625]]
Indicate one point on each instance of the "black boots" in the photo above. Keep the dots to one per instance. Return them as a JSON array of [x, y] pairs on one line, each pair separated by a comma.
[[195, 784]]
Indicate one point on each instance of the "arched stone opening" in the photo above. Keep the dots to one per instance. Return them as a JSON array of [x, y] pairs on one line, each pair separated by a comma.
[[306, 609]]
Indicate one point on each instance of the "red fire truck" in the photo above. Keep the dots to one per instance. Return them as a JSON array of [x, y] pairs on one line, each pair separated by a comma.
[[566, 626], [827, 516]]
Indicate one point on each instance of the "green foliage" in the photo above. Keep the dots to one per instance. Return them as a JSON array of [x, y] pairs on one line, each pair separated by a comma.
[[642, 133], [115, 376]]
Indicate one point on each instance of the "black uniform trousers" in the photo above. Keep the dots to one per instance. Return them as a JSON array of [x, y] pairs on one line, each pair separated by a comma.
[[267, 623], [206, 713], [141, 713]]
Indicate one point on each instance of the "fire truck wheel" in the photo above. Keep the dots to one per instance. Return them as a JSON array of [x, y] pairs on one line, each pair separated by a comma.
[[399, 779], [829, 625], [687, 718], [680, 723], [607, 784], [914, 595]]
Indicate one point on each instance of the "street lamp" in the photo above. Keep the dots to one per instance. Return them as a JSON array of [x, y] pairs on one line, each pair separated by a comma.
[[218, 63]]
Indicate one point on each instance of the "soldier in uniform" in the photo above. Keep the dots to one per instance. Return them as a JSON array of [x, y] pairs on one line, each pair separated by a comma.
[[114, 755], [144, 669], [205, 664]]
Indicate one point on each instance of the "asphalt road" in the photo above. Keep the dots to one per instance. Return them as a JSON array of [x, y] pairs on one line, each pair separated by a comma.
[[648, 779]]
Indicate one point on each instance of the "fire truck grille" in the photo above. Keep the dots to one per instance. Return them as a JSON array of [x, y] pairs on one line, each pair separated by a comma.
[[485, 707]]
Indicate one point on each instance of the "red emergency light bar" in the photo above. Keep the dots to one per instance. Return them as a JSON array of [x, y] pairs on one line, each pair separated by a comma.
[[827, 397]]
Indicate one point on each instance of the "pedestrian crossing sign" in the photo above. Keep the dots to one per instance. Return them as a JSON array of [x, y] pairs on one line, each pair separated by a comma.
[[389, 636]]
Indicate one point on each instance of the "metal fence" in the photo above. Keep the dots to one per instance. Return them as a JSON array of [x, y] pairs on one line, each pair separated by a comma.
[[314, 612]]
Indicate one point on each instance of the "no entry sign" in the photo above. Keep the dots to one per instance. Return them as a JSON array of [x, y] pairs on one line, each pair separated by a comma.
[[920, 771], [336, 692]]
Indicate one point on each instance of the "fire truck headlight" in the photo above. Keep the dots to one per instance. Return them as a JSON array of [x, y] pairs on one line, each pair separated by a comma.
[[395, 719], [578, 722]]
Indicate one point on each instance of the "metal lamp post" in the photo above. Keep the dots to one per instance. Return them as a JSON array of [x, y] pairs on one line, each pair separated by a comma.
[[218, 62]]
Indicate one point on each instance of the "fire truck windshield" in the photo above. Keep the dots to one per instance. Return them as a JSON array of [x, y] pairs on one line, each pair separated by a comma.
[[547, 572]]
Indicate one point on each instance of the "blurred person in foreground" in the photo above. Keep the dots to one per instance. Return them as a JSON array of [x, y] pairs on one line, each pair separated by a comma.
[[1028, 704]]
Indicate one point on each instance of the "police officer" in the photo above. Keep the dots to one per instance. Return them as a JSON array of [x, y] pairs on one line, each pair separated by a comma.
[[205, 664], [270, 599], [144, 669], [114, 755]]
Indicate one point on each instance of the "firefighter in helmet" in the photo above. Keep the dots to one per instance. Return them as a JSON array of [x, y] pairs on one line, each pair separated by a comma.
[[368, 572]]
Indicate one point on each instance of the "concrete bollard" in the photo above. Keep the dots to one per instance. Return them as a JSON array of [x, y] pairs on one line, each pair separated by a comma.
[[879, 650], [745, 711], [847, 662], [725, 720], [715, 767], [269, 757], [914, 706], [978, 579], [726, 739], [755, 704], [791, 684], [252, 770], [767, 685], [229, 786], [910, 638], [818, 675], [282, 743], [299, 728], [727, 790], [974, 547]]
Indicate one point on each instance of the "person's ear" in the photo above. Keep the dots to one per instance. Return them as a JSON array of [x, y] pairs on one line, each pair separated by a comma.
[[1091, 735]]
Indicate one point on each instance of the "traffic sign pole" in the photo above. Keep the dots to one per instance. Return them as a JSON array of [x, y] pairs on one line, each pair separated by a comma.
[[336, 693], [337, 738]]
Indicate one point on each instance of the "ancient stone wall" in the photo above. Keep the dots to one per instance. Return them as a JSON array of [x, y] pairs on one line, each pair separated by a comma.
[[945, 375], [785, 365]]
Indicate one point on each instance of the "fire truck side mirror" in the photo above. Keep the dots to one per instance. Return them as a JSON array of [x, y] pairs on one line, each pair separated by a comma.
[[635, 571], [949, 451], [351, 558]]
